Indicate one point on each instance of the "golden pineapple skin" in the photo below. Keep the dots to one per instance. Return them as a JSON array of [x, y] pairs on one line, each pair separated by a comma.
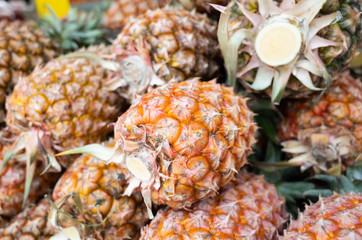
[[101, 187], [122, 11], [248, 208], [22, 47], [12, 185], [192, 135], [32, 223], [346, 30], [68, 100], [180, 44], [337, 114], [336, 217]]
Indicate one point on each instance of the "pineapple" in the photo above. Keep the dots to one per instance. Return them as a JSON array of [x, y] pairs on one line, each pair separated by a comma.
[[62, 105], [335, 217], [21, 49], [31, 223], [163, 45], [12, 184], [327, 138], [25, 45], [182, 141], [288, 48], [122, 11], [101, 189], [248, 208]]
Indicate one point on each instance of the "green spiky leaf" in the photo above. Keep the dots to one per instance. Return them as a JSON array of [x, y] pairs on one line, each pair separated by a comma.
[[293, 190], [318, 192], [78, 29]]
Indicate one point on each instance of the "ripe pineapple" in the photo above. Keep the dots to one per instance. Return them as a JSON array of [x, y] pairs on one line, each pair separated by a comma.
[[101, 189], [25, 45], [31, 223], [288, 48], [166, 44], [327, 138], [248, 208], [21, 49], [62, 105], [122, 11], [182, 141], [336, 217], [12, 184]]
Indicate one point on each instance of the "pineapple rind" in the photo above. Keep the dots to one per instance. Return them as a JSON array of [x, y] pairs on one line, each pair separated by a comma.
[[248, 208]]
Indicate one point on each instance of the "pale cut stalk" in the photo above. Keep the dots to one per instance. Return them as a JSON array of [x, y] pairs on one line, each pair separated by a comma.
[[278, 43], [139, 168]]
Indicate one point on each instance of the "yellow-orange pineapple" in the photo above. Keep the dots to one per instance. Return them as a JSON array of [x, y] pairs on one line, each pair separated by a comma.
[[327, 138], [248, 208], [32, 223], [332, 218], [62, 105], [182, 142], [166, 44], [122, 11], [67, 100], [21, 49], [101, 188]]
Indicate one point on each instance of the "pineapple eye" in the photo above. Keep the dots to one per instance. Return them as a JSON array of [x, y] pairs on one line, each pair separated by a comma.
[[278, 43]]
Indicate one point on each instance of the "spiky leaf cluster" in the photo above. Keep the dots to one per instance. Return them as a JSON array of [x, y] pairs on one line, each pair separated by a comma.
[[77, 30]]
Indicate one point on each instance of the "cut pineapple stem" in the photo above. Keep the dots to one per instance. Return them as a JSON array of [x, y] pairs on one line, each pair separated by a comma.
[[278, 43], [138, 168]]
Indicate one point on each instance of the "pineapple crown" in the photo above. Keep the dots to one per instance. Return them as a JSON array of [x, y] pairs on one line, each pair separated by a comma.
[[282, 42], [78, 29]]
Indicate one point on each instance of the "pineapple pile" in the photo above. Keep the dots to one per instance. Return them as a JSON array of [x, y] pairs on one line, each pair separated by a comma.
[[247, 208], [149, 132]]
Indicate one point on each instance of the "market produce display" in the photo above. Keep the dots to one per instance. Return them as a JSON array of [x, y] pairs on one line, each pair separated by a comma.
[[180, 119]]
